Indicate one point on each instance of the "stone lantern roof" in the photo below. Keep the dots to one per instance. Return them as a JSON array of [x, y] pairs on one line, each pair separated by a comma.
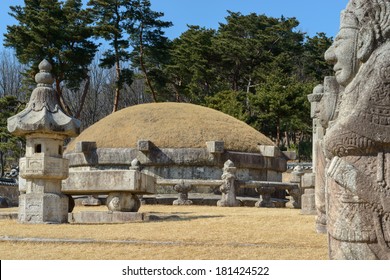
[[43, 113]]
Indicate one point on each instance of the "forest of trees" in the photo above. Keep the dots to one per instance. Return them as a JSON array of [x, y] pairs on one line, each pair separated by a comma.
[[111, 54]]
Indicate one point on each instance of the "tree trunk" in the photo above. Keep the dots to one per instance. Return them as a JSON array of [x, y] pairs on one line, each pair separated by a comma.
[[1, 164], [118, 86], [278, 133], [143, 67], [83, 97], [61, 101]]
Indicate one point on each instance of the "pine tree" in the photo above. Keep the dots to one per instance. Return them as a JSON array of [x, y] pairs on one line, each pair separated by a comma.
[[11, 147], [112, 17], [192, 67], [147, 38], [56, 31]]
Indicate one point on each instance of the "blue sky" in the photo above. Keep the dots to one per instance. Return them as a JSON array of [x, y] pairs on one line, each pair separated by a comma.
[[314, 15]]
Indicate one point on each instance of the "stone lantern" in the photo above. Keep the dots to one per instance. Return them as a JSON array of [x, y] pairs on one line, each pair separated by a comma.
[[45, 127]]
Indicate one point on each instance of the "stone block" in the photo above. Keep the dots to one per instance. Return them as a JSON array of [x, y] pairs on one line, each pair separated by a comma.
[[99, 217], [290, 155], [144, 145], [215, 147], [107, 181], [43, 167], [43, 208], [308, 180], [85, 147], [269, 151], [308, 206]]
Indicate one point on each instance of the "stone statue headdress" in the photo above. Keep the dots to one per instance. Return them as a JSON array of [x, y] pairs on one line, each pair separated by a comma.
[[371, 16]]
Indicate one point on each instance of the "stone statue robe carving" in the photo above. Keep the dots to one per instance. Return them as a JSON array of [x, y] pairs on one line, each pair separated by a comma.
[[357, 142]]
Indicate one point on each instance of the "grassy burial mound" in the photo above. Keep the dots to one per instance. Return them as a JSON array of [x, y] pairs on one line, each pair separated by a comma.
[[172, 125]]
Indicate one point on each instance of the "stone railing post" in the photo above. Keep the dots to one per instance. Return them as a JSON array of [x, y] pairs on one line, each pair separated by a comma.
[[308, 206], [296, 193], [228, 188]]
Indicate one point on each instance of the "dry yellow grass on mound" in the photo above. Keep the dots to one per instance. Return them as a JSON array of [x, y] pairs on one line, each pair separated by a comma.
[[194, 232], [172, 125]]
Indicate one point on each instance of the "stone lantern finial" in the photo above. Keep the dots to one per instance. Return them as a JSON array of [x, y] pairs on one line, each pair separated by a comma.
[[44, 77]]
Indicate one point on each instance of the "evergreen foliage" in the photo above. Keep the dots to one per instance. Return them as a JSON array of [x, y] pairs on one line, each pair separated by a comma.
[[111, 19], [56, 31], [150, 46], [11, 147], [256, 68]]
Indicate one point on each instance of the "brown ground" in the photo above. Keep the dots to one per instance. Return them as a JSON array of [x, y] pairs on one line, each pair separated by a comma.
[[192, 232]]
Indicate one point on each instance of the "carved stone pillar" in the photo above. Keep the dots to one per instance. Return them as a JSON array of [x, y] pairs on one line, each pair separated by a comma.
[[228, 188]]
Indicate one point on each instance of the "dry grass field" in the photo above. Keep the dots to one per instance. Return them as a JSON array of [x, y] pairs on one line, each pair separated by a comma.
[[183, 233]]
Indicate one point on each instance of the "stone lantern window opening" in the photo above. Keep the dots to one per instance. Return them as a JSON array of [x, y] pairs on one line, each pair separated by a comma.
[[38, 148]]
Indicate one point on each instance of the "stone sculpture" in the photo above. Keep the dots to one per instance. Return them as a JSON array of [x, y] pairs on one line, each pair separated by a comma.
[[325, 101], [45, 127], [183, 190], [357, 142], [228, 188]]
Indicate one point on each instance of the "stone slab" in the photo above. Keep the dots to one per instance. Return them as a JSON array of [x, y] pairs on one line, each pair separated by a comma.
[[308, 206], [269, 151], [308, 180], [100, 217], [9, 216], [108, 181]]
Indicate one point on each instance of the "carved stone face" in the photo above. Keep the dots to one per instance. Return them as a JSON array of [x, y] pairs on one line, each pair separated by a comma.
[[343, 55]]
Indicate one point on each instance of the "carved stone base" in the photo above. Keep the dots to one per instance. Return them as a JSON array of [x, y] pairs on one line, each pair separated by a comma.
[[123, 202], [228, 203], [265, 197], [38, 208], [181, 201], [183, 190]]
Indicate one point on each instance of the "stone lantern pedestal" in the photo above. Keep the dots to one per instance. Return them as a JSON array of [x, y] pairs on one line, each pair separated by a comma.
[[43, 168]]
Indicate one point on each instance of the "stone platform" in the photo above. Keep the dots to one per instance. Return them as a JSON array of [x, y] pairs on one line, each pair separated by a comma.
[[100, 217]]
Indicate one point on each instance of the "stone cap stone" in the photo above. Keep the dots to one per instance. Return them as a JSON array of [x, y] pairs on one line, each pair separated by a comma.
[[43, 113]]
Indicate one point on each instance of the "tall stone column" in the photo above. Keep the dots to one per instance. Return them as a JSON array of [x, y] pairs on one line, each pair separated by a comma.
[[43, 168]]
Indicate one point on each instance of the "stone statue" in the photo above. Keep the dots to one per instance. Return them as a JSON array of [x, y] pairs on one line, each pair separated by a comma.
[[228, 188], [325, 101], [357, 141]]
